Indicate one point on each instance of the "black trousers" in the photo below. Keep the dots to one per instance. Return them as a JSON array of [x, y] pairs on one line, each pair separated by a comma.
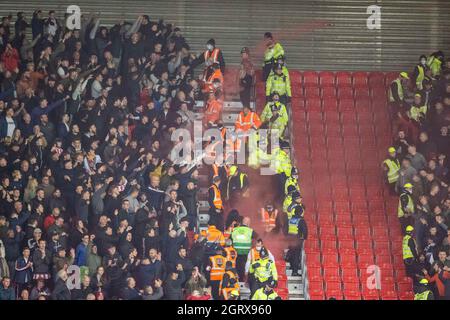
[[294, 256], [266, 71], [215, 285], [241, 260], [245, 96], [411, 267]]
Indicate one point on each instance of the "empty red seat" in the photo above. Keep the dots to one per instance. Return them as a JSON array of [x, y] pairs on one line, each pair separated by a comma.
[[316, 294], [352, 295], [295, 76], [346, 244], [345, 93], [361, 92], [312, 93], [376, 79], [389, 295], [344, 220], [351, 283], [347, 257], [383, 258], [343, 79], [370, 294], [329, 104], [344, 231], [329, 243], [409, 295], [313, 105], [380, 232], [328, 92], [335, 294], [310, 78], [327, 78], [360, 78], [329, 259], [327, 230], [332, 117]]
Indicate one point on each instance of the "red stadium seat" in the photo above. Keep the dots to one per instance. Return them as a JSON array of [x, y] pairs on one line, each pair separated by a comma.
[[329, 104], [409, 295], [343, 79], [310, 78], [327, 78], [360, 79], [312, 93], [344, 231], [336, 294], [376, 79], [313, 105], [352, 295], [389, 295], [370, 294], [345, 93], [328, 92]]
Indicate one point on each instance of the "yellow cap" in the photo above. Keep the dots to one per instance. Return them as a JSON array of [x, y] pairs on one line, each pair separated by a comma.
[[235, 293], [418, 95], [407, 185], [404, 75], [391, 150], [233, 170], [423, 281], [409, 229]]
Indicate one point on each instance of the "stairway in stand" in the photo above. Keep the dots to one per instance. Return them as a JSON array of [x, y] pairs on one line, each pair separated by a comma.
[[289, 287], [342, 132]]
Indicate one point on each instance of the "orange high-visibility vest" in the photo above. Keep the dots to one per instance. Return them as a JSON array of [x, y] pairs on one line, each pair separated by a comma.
[[214, 55], [233, 146], [208, 85], [213, 111], [227, 290], [254, 255], [217, 267], [246, 122], [213, 235], [231, 255], [269, 219], [217, 201]]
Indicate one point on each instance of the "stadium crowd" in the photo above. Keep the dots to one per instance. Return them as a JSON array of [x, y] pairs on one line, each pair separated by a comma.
[[417, 170], [87, 177]]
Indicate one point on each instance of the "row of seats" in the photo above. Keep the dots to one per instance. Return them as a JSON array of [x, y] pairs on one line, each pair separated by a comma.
[[352, 226]]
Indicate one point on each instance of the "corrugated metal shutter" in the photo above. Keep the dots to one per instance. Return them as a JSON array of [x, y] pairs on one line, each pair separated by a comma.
[[319, 35]]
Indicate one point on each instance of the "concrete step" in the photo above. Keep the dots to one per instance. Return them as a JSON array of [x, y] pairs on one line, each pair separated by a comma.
[[229, 118], [232, 106]]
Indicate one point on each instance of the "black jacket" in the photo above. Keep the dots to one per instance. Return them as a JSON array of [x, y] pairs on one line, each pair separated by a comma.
[[61, 292]]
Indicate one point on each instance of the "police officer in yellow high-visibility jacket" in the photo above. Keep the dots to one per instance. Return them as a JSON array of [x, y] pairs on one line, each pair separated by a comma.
[[423, 292], [266, 293], [392, 167], [292, 180], [263, 270], [274, 115], [280, 83], [396, 90], [420, 72], [406, 206], [410, 254], [237, 185], [434, 62], [274, 51], [418, 110]]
